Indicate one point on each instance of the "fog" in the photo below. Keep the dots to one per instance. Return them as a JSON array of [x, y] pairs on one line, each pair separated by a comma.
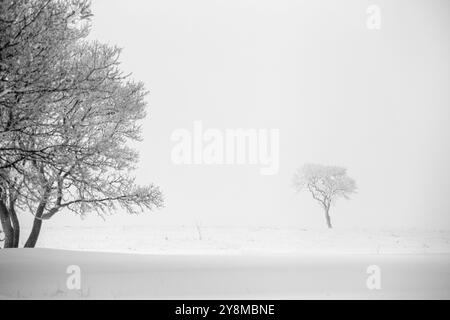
[[373, 101]]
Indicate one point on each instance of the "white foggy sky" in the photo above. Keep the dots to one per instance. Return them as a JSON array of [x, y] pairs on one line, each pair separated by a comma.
[[376, 102]]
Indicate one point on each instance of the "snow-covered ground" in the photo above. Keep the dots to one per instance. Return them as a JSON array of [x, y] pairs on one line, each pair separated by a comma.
[[229, 263], [42, 273], [225, 240]]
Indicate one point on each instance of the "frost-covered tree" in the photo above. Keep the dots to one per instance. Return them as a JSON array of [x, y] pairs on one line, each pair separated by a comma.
[[66, 115], [325, 183], [36, 36]]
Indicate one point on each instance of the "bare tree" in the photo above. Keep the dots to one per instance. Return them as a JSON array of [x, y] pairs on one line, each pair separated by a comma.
[[64, 127], [325, 183]]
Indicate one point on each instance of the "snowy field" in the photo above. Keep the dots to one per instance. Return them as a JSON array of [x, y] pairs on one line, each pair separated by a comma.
[[231, 240], [228, 263], [42, 273]]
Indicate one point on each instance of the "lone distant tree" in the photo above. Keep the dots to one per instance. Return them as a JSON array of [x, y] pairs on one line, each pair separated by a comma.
[[325, 183]]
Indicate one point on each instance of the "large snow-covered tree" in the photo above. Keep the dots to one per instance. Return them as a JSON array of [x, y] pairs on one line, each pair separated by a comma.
[[66, 115], [325, 183]]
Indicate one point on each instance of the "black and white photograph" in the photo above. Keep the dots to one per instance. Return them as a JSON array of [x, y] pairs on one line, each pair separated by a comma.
[[224, 150]]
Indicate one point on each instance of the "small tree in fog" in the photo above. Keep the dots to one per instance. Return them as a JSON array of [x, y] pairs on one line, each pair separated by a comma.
[[325, 183]]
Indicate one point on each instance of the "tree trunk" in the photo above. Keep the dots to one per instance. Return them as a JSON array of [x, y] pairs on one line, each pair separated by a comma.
[[327, 216], [37, 223], [15, 226], [34, 235], [6, 226]]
